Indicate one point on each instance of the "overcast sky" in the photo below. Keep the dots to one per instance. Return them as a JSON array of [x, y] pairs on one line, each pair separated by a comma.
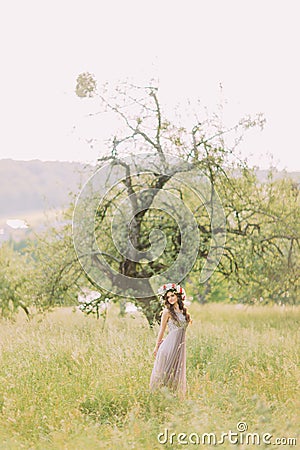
[[250, 47]]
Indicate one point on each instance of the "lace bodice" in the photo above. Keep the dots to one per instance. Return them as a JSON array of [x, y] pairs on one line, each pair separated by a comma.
[[172, 325]]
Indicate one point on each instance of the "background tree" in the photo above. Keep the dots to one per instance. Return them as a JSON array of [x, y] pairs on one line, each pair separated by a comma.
[[263, 237], [205, 146], [260, 258], [14, 281]]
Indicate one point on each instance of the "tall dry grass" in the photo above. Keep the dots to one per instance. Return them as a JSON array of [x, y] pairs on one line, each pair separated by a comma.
[[68, 384]]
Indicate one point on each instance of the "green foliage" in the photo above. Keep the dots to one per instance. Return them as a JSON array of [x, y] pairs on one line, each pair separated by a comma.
[[260, 262], [262, 253], [45, 274], [95, 306], [57, 272], [15, 277]]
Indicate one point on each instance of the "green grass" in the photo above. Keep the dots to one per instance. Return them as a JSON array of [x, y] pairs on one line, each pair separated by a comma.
[[67, 384]]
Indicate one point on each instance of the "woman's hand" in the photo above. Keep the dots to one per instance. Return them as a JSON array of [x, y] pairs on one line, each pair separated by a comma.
[[157, 347]]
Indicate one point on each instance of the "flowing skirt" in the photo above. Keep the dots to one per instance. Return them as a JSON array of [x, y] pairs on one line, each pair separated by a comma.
[[170, 363]]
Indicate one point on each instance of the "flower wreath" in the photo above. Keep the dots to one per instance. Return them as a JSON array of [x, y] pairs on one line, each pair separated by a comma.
[[167, 287]]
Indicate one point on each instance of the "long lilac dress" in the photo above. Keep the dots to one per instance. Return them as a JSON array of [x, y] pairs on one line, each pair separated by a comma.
[[170, 363]]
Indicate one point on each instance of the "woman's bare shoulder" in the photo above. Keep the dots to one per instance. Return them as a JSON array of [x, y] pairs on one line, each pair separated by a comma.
[[165, 312]]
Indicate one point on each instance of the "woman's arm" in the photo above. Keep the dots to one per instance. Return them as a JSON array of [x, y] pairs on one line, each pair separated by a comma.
[[164, 319]]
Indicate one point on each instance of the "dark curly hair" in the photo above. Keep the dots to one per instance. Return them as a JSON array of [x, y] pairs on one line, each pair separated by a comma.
[[180, 304]]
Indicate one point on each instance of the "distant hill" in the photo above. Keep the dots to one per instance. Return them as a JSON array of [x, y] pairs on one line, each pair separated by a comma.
[[37, 185], [262, 175]]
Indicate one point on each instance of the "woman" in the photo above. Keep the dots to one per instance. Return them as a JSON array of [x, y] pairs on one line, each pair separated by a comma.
[[170, 363]]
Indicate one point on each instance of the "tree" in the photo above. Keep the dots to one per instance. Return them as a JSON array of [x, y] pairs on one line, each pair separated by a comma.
[[263, 238], [56, 274], [141, 215], [14, 279], [204, 147]]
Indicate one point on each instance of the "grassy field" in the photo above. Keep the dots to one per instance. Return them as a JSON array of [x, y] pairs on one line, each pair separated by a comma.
[[66, 383]]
